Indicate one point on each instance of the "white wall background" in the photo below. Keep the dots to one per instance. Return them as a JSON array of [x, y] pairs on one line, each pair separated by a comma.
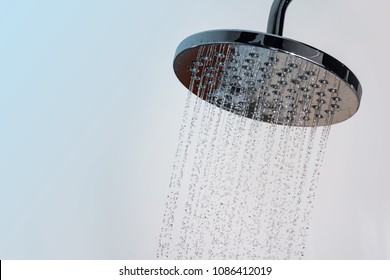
[[90, 111]]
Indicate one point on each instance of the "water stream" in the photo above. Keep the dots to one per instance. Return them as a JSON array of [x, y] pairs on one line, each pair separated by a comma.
[[242, 188]]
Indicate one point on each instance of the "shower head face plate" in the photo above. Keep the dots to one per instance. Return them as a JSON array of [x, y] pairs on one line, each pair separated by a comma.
[[267, 78]]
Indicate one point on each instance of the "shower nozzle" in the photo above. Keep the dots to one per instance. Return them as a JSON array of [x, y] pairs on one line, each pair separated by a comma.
[[267, 77]]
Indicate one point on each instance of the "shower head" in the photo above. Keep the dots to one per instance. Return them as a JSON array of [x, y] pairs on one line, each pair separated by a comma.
[[267, 77]]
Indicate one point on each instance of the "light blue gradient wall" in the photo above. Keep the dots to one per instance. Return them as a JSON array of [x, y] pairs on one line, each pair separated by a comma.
[[90, 110], [78, 125]]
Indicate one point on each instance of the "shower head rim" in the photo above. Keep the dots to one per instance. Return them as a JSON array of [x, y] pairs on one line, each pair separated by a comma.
[[273, 42]]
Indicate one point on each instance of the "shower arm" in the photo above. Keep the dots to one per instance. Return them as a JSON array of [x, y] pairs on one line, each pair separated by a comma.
[[276, 17]]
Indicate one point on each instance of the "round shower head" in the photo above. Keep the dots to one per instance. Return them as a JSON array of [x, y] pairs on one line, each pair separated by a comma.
[[268, 77]]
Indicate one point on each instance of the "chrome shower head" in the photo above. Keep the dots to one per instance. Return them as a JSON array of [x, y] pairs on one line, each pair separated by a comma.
[[267, 77]]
